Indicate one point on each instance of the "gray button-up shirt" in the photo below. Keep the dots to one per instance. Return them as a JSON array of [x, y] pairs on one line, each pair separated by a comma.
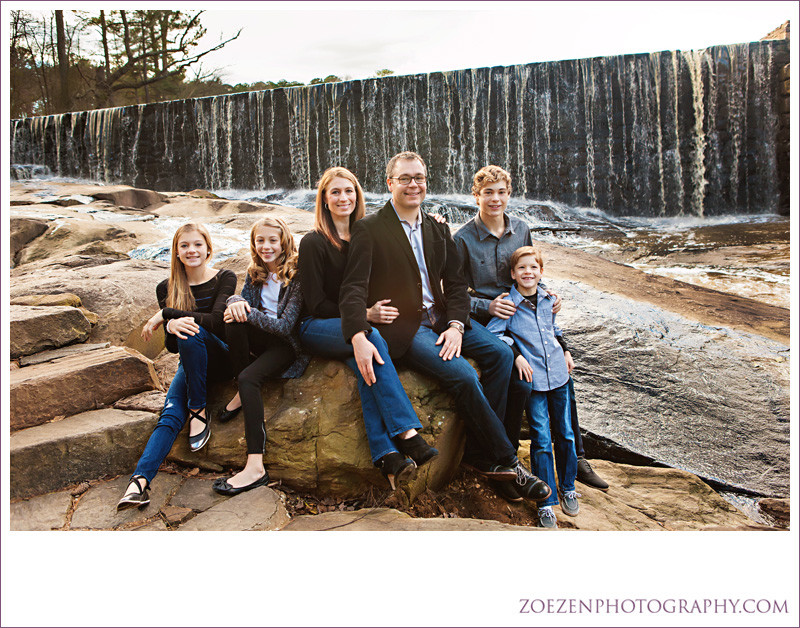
[[486, 259], [533, 332]]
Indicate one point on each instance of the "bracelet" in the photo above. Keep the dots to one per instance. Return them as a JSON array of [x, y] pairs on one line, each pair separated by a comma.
[[166, 326]]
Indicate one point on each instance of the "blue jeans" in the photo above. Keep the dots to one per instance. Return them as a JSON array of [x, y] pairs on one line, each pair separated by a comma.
[[386, 408], [202, 356], [549, 411], [479, 403], [518, 392]]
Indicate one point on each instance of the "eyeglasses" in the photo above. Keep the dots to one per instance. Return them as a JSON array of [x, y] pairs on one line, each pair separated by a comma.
[[405, 179]]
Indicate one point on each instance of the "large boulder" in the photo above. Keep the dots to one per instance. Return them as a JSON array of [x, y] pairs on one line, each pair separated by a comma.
[[662, 388], [77, 383], [23, 231], [37, 328], [122, 293], [316, 440], [124, 196]]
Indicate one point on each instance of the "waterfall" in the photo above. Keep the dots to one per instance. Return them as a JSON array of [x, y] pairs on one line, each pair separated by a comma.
[[666, 133]]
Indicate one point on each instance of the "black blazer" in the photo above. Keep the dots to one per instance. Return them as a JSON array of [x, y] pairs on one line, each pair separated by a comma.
[[381, 265]]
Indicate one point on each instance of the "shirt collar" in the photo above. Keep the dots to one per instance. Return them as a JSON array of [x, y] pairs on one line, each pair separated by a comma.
[[416, 222], [517, 298], [484, 233]]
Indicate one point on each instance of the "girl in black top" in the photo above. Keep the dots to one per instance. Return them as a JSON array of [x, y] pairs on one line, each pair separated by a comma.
[[192, 304]]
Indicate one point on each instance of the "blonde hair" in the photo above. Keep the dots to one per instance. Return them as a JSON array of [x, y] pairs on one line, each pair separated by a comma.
[[406, 155], [287, 262], [323, 221], [489, 175], [522, 252], [179, 293]]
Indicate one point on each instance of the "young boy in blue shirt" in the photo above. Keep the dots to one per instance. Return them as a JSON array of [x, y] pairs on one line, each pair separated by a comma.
[[545, 363]]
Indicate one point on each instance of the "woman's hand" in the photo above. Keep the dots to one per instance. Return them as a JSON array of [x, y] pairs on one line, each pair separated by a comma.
[[382, 314], [524, 369], [364, 352], [151, 325], [570, 362], [183, 327], [236, 312]]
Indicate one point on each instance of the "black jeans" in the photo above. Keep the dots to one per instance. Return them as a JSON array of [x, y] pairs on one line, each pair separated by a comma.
[[518, 392], [273, 356]]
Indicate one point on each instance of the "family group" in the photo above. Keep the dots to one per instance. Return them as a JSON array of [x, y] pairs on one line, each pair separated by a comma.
[[394, 287]]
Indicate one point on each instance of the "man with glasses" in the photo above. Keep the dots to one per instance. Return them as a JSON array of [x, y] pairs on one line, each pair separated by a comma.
[[402, 255]]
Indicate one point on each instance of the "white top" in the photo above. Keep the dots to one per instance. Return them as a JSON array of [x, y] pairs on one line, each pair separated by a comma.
[[269, 295]]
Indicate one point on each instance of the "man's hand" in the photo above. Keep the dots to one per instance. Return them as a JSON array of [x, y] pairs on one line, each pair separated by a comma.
[[236, 312], [183, 327], [502, 307], [570, 362], [451, 341], [151, 325], [440, 219], [524, 369], [557, 304], [382, 314], [364, 352]]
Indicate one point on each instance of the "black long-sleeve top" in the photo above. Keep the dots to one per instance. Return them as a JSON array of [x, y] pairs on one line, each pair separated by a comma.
[[209, 297], [321, 266]]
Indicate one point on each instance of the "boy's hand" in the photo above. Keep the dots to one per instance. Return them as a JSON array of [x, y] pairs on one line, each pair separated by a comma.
[[557, 304], [502, 307], [570, 361], [524, 368]]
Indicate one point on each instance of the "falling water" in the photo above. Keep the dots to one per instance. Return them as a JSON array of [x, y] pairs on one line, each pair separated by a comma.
[[667, 133]]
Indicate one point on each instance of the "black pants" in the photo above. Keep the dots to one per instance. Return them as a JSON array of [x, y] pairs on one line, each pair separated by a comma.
[[273, 356]]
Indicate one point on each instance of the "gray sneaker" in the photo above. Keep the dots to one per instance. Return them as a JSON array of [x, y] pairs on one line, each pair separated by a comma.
[[569, 502], [547, 518]]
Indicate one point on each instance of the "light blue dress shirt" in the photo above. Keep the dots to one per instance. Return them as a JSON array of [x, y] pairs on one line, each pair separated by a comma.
[[414, 234], [534, 333]]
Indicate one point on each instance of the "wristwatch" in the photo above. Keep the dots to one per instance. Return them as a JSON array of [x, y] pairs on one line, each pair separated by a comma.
[[458, 325]]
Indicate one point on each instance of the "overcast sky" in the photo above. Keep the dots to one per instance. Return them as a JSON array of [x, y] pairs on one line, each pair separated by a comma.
[[303, 40]]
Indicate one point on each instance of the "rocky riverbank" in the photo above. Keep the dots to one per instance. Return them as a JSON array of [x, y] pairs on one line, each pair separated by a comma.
[[669, 374]]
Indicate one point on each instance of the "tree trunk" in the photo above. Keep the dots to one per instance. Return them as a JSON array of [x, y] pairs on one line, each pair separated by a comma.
[[63, 63]]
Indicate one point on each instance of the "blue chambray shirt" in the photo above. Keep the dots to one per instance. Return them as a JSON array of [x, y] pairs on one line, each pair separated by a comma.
[[414, 235], [534, 333]]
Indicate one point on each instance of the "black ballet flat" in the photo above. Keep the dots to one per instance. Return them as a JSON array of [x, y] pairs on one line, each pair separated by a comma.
[[137, 500], [198, 441], [223, 488], [226, 415]]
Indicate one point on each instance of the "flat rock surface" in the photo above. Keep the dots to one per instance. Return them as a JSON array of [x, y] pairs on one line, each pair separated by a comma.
[[196, 493], [710, 400], [45, 512], [97, 508], [54, 354], [258, 509], [703, 305], [380, 519]]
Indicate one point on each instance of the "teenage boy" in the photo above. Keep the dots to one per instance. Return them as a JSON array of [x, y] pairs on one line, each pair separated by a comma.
[[486, 244], [545, 366], [401, 254]]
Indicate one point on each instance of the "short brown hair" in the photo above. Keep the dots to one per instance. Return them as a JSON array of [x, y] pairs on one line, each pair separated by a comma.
[[406, 155], [489, 175], [522, 252]]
